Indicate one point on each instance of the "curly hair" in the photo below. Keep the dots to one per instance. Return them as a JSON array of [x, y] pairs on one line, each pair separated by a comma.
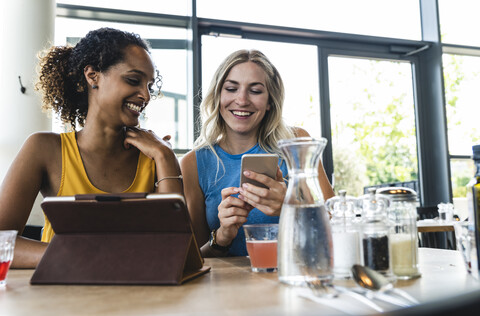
[[272, 128], [61, 70]]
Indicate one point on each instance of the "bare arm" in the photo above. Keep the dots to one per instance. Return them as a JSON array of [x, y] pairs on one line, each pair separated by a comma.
[[232, 212], [161, 151], [195, 200], [32, 171]]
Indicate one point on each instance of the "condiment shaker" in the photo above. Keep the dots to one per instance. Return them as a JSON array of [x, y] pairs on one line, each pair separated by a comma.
[[402, 211], [445, 212], [345, 234], [375, 233]]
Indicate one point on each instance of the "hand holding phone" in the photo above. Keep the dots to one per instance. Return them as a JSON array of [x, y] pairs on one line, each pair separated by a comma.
[[260, 163]]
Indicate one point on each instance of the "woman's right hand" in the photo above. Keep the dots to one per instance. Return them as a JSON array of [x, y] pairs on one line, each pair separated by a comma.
[[232, 213], [160, 150]]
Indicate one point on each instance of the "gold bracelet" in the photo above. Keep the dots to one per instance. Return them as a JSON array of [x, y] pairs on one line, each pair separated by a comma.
[[180, 177]]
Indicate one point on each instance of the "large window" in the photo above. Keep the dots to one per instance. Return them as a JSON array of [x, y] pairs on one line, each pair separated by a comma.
[[379, 99], [459, 21], [168, 114], [462, 82], [178, 7], [461, 70], [373, 123], [399, 19]]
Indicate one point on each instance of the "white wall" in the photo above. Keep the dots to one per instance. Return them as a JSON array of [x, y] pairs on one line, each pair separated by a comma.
[[27, 28]]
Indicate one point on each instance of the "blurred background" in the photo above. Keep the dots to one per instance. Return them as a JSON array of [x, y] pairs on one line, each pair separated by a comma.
[[392, 85]]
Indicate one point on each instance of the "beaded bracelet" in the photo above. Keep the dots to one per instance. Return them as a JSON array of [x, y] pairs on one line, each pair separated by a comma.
[[180, 177]]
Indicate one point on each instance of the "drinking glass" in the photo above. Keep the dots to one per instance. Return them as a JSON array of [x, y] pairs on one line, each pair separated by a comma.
[[465, 236], [261, 242], [7, 245]]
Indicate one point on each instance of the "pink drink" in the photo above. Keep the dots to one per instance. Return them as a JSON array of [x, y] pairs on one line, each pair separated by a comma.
[[4, 269], [263, 253]]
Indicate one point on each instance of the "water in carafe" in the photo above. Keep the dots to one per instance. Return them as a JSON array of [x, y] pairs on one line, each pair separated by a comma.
[[305, 239]]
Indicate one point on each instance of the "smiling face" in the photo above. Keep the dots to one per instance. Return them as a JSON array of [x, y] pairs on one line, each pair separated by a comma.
[[124, 89], [244, 99]]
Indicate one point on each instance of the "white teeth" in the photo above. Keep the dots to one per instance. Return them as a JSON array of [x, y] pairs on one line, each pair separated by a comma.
[[239, 113], [134, 107]]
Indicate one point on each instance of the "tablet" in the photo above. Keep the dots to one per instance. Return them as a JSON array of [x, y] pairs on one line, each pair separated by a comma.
[[132, 238]]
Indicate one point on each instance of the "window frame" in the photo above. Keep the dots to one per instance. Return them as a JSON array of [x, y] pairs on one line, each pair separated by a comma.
[[425, 57]]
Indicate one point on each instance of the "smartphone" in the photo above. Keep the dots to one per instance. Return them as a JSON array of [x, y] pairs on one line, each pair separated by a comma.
[[260, 163]]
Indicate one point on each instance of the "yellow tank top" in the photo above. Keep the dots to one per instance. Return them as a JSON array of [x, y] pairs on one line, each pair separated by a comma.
[[75, 180]]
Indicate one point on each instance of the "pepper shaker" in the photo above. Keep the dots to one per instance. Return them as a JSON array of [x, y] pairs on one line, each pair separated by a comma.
[[375, 233]]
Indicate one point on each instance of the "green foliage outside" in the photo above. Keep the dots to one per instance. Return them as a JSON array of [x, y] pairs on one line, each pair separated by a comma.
[[382, 147], [381, 142], [458, 75]]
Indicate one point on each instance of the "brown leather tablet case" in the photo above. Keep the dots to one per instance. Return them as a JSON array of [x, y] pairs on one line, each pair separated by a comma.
[[119, 239]]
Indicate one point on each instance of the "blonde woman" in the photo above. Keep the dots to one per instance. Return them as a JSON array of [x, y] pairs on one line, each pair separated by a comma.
[[241, 114]]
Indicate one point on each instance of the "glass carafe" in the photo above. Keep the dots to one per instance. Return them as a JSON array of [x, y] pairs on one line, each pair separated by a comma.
[[304, 239]]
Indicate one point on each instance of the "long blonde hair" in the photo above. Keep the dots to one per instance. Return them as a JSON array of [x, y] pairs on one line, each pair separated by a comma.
[[272, 128]]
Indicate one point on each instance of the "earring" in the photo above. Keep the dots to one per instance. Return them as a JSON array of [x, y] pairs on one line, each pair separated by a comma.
[[94, 86]]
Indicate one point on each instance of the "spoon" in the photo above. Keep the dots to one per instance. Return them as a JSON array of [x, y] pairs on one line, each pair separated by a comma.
[[375, 281]]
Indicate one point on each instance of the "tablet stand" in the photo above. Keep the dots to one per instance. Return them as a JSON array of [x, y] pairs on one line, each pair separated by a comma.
[[119, 239]]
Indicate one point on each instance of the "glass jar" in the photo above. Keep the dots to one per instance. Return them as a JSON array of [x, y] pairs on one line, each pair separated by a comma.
[[402, 212], [445, 212], [345, 234], [375, 233], [304, 238]]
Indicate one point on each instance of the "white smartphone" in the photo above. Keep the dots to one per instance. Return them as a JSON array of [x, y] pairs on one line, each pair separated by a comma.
[[260, 163]]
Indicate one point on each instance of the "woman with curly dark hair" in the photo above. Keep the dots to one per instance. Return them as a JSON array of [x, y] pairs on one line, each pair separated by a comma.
[[102, 84]]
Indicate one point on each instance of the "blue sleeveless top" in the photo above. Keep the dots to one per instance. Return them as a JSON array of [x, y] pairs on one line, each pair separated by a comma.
[[213, 177]]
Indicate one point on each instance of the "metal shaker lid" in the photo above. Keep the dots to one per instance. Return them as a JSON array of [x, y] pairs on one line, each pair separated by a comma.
[[399, 194]]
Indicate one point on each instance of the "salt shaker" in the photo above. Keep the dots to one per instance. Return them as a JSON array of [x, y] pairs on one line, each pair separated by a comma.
[[375, 233], [445, 212], [345, 234], [402, 212]]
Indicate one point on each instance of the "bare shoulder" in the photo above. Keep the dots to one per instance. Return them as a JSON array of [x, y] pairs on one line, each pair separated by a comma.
[[44, 146], [44, 141], [45, 137], [188, 164], [300, 132], [189, 161]]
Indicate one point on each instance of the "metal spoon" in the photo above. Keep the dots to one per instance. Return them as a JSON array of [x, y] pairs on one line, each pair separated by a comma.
[[375, 281]]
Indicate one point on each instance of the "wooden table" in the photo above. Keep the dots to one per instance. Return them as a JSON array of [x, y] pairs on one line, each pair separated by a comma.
[[229, 289], [430, 226], [436, 234]]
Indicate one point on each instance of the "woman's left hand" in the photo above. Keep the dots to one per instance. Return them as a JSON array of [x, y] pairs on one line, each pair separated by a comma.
[[269, 200]]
